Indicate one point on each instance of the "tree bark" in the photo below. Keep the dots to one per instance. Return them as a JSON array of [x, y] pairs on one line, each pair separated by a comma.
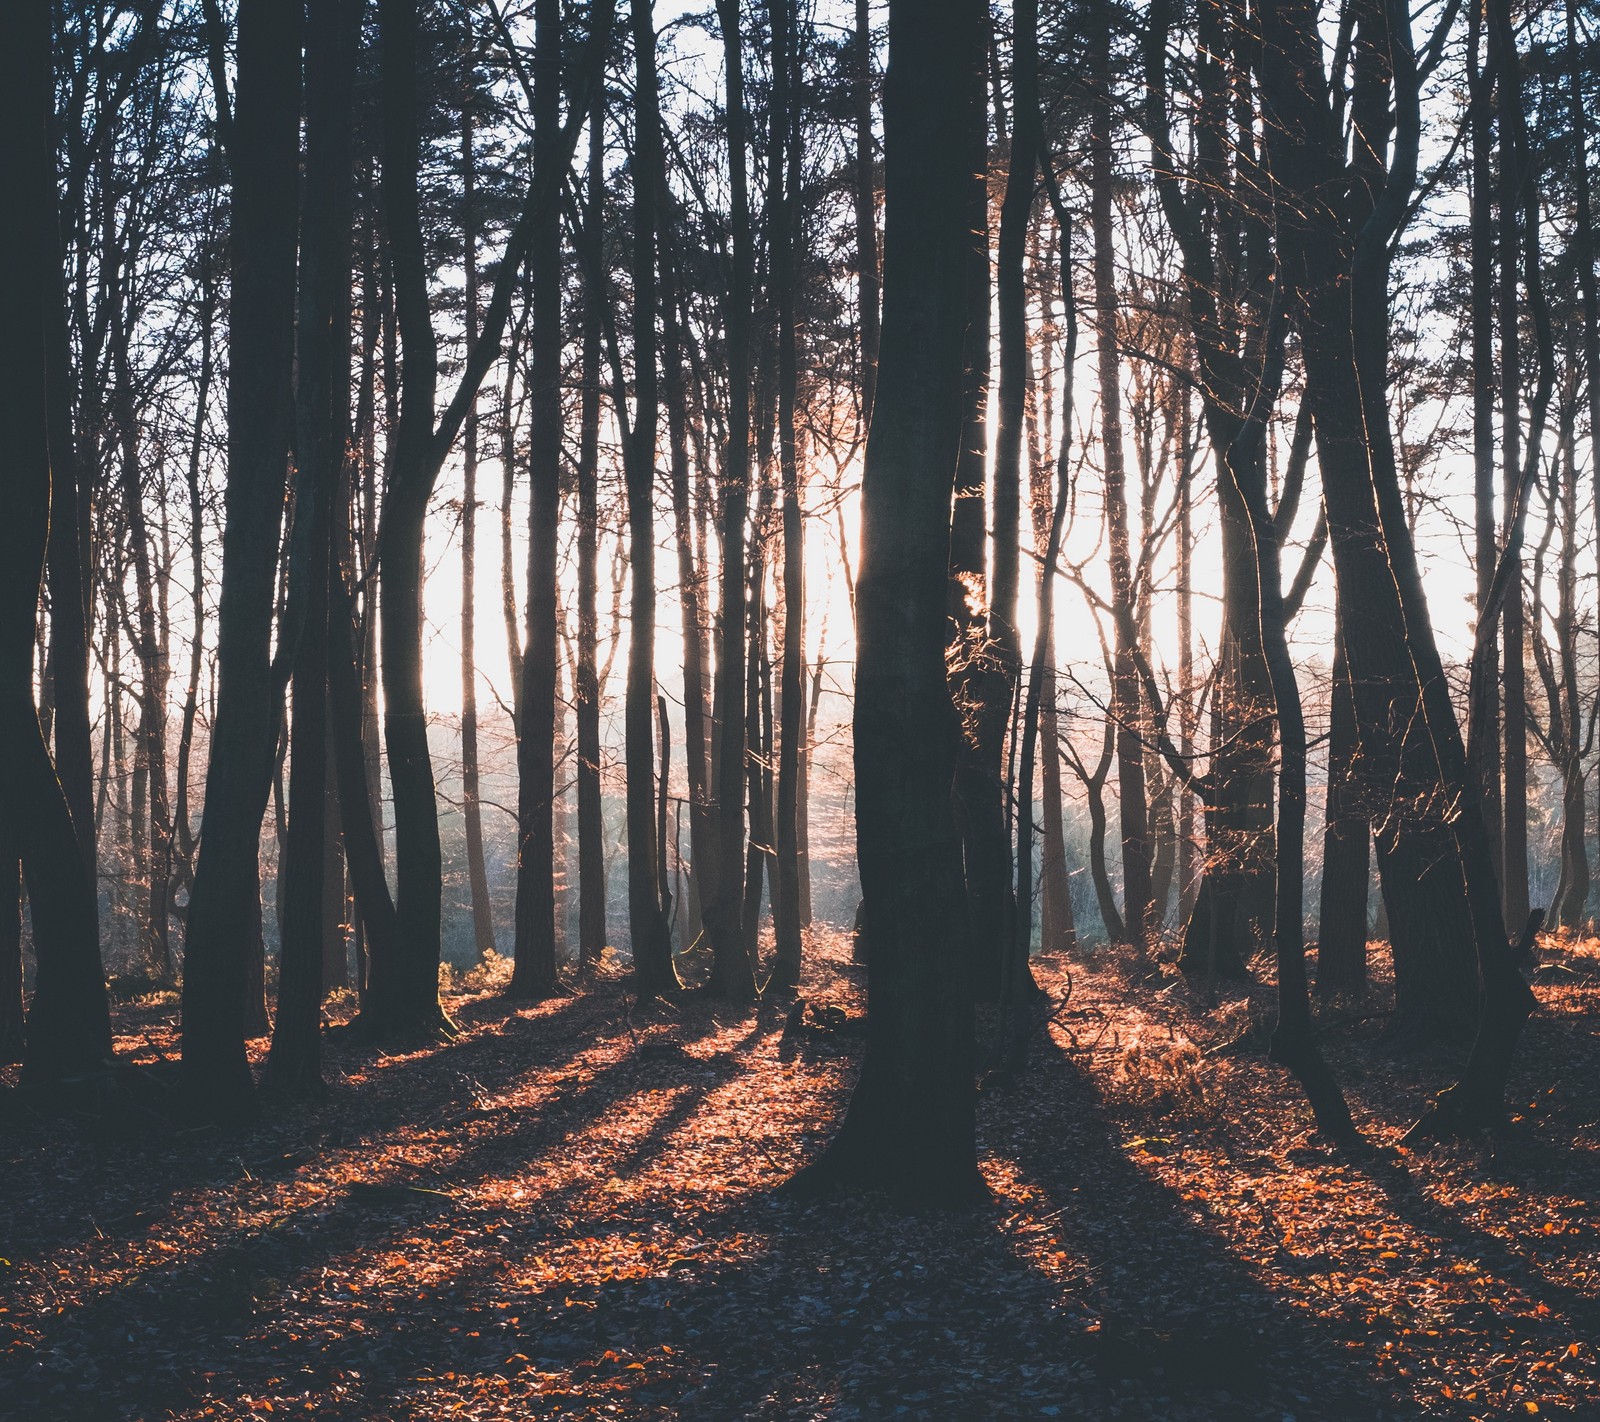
[[586, 708], [534, 975], [264, 154], [1483, 714], [68, 1029], [1346, 866], [691, 585], [653, 968], [12, 1017], [1133, 812], [471, 802], [1510, 177], [294, 1063], [722, 904], [1434, 851], [910, 1126], [866, 213], [785, 241]]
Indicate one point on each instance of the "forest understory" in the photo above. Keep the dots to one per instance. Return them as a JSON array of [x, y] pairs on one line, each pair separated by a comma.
[[570, 1211]]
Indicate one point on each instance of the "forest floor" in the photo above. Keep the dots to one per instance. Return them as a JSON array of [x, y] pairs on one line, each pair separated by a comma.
[[569, 1212]]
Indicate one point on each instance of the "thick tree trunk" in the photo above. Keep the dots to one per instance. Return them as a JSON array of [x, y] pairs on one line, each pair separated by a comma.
[[653, 968], [534, 975], [264, 153], [785, 241], [722, 907], [910, 1126], [68, 1028], [976, 674], [294, 1063], [1126, 703], [403, 995], [70, 562]]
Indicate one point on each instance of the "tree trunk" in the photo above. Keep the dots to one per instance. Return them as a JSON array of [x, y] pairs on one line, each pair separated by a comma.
[[1566, 707], [1483, 714], [976, 672], [653, 968], [1294, 1042], [1222, 236], [586, 707], [866, 214], [910, 1126], [403, 996], [70, 561], [152, 839], [1016, 975], [534, 975], [1002, 962], [1434, 851], [68, 1029], [1133, 811], [1583, 250], [335, 895], [722, 907], [1188, 711], [471, 804], [1346, 867], [1503, 62], [264, 153], [294, 1063], [12, 1020], [785, 242]]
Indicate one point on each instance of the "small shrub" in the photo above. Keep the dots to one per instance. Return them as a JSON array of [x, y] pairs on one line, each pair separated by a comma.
[[493, 974], [1163, 1077]]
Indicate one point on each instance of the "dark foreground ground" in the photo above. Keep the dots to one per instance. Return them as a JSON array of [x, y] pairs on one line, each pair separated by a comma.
[[568, 1213]]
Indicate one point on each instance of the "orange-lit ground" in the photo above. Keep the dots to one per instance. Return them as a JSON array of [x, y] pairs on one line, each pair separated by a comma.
[[586, 1229]]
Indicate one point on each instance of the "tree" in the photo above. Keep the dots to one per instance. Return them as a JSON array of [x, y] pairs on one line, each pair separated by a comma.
[[653, 968], [403, 992], [535, 973], [785, 243], [722, 904], [322, 408], [68, 1029], [1132, 807], [1334, 244], [910, 1126], [263, 149], [471, 793]]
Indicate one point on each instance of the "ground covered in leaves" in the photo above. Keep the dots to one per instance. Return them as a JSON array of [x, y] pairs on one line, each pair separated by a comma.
[[569, 1212]]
